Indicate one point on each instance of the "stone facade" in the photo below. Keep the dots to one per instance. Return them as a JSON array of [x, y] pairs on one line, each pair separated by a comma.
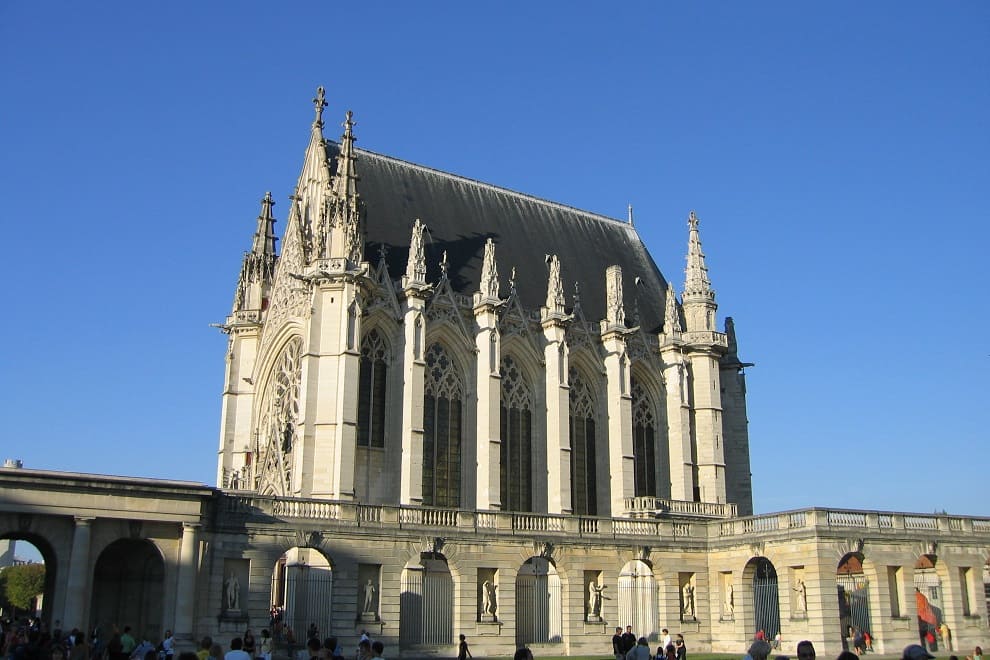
[[451, 408]]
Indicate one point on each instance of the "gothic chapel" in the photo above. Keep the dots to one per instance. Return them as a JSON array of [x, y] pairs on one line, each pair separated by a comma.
[[451, 408], [428, 340]]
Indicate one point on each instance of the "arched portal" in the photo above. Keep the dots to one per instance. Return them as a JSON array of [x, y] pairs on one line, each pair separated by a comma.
[[538, 603], [32, 555], [854, 597], [426, 602], [928, 599], [638, 599], [766, 597], [302, 594], [129, 586]]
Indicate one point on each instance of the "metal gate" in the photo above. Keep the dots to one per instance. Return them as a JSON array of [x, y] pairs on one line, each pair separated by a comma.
[[928, 597], [854, 602], [307, 598], [426, 605], [766, 599], [538, 605], [638, 603]]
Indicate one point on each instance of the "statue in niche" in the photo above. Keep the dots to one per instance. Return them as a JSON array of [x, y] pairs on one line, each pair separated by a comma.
[[729, 603], [489, 603], [369, 597], [802, 597], [232, 592], [687, 606], [595, 598]]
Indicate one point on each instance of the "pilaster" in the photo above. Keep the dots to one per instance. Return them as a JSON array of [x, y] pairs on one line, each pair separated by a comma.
[[620, 459], [555, 356], [707, 427], [77, 587], [331, 370], [237, 401], [675, 374], [185, 597], [488, 383], [414, 374]]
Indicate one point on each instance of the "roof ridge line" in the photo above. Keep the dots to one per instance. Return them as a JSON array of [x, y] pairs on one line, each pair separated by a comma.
[[490, 186]]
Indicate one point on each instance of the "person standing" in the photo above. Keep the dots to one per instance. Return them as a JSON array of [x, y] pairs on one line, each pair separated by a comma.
[[378, 648], [463, 652], [680, 647], [127, 642], [805, 650], [236, 651], [628, 640], [617, 644], [665, 640]]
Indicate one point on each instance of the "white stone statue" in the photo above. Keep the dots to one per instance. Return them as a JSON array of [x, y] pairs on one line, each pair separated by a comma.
[[802, 596], [416, 266], [555, 288], [729, 599], [369, 597], [615, 314], [489, 601], [489, 272], [687, 594], [595, 598], [232, 592]]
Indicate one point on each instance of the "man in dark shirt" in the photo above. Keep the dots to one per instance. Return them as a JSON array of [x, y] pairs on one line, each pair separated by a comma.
[[628, 640], [617, 643]]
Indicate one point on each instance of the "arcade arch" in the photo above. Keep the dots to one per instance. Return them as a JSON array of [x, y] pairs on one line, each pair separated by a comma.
[[27, 550], [854, 595], [765, 611], [129, 586], [426, 602], [638, 598], [301, 593], [539, 617]]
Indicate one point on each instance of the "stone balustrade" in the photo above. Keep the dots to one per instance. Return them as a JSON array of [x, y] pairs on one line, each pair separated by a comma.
[[698, 521]]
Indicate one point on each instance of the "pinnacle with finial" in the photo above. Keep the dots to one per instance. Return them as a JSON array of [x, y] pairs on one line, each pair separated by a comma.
[[443, 266], [696, 280], [319, 103], [264, 236]]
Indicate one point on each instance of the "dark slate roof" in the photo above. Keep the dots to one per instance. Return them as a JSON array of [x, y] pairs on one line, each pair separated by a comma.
[[461, 214]]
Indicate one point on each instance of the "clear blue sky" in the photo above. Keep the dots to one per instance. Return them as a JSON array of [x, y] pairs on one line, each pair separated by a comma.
[[836, 153]]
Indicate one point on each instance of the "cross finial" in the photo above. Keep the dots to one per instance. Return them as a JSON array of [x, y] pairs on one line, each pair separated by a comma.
[[319, 103], [382, 252], [349, 122], [443, 265]]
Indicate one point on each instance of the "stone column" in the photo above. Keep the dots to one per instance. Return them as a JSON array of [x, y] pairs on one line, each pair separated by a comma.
[[185, 596], [558, 416], [414, 373], [79, 570], [678, 421], [488, 382]]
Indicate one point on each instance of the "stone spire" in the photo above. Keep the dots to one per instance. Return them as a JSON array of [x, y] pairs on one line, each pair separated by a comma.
[[416, 266], [555, 289], [671, 320], [489, 273], [698, 298], [696, 282], [258, 267], [615, 314], [345, 206]]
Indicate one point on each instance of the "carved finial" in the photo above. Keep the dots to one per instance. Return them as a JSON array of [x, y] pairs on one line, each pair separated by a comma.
[[577, 296], [489, 272], [555, 288], [614, 312], [382, 253], [319, 103], [443, 266], [416, 266], [512, 282], [671, 320], [630, 214]]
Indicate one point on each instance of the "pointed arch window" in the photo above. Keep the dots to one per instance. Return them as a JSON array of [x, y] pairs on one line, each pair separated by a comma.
[[371, 391], [443, 408], [516, 465], [644, 442], [584, 492], [279, 413]]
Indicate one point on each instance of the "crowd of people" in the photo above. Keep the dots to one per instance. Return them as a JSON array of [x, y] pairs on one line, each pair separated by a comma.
[[627, 646]]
